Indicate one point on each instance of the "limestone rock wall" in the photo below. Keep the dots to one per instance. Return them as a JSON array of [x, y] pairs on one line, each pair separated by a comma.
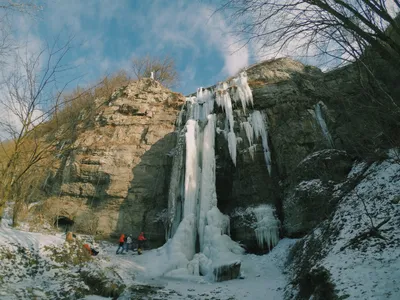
[[119, 169]]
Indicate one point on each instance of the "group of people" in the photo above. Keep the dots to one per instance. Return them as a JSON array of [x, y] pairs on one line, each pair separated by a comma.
[[125, 243]]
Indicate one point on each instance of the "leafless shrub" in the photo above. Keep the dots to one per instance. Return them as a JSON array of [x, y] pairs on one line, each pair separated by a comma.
[[163, 69]]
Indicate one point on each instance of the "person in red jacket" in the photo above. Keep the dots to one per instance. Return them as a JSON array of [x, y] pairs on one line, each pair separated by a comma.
[[141, 240], [121, 244], [92, 251]]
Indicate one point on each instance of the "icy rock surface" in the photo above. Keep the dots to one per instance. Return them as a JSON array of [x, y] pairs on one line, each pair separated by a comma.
[[263, 221], [321, 122], [354, 260]]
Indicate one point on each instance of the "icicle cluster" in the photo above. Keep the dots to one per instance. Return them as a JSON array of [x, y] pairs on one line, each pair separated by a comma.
[[257, 127], [240, 91], [201, 105], [267, 226]]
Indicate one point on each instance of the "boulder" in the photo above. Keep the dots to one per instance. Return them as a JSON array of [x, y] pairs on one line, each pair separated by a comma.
[[227, 271]]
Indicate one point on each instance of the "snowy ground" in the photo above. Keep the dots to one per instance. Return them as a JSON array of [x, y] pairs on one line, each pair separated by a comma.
[[263, 277], [34, 276], [369, 269]]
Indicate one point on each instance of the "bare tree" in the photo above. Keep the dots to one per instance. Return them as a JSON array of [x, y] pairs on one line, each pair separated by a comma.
[[340, 28], [8, 8], [24, 6], [163, 69], [31, 91]]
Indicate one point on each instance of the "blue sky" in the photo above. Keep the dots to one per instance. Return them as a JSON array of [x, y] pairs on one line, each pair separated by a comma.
[[108, 34]]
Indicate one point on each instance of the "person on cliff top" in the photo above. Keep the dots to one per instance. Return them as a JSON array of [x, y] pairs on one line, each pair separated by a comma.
[[141, 240], [121, 244]]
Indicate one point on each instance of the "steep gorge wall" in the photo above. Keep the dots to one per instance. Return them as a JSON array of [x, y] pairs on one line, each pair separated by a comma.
[[116, 173], [119, 171]]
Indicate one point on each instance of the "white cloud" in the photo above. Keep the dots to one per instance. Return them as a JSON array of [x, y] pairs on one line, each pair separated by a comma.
[[193, 25]]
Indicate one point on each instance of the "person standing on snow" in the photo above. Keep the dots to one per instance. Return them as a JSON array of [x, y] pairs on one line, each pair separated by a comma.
[[128, 243], [141, 240], [121, 244]]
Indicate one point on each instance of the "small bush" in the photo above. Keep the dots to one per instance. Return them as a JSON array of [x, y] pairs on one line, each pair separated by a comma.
[[256, 83], [70, 254]]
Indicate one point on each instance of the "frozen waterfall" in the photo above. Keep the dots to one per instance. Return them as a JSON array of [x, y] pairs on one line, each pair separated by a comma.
[[198, 232], [200, 218]]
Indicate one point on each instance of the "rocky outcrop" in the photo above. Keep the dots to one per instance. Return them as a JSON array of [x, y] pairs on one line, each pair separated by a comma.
[[284, 90], [361, 234], [308, 196], [119, 168]]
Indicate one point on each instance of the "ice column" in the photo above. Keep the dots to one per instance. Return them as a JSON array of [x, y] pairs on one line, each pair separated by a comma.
[[232, 146], [191, 188], [208, 194], [321, 122], [249, 132]]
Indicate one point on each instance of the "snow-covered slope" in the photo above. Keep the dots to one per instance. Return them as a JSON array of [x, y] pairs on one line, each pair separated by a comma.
[[357, 250]]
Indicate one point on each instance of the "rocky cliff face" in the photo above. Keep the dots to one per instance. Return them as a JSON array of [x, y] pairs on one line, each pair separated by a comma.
[[116, 172], [284, 91]]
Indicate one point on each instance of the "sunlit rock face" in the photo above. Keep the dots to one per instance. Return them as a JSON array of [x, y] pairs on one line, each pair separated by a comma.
[[118, 168], [129, 165]]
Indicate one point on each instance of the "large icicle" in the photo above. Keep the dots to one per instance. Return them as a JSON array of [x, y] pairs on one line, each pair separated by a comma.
[[249, 132], [259, 126], [232, 146], [321, 122], [245, 87], [191, 180]]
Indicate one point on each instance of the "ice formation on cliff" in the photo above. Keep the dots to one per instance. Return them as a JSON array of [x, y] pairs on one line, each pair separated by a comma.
[[195, 222], [321, 122]]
